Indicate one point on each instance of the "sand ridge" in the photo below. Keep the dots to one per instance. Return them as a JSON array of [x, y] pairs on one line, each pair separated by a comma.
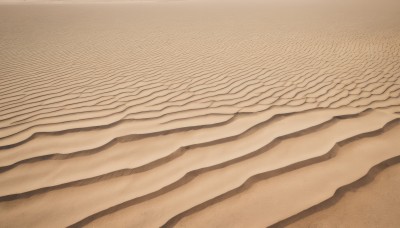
[[149, 115]]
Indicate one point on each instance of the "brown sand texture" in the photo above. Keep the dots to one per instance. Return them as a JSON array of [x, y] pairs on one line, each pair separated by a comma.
[[200, 113]]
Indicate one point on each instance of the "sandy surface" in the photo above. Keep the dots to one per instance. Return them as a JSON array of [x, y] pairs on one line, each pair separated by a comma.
[[364, 206], [199, 113]]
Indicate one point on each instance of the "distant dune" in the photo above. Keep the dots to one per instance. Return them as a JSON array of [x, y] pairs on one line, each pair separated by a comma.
[[200, 114]]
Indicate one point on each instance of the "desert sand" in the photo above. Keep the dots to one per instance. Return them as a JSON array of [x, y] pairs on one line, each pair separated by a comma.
[[200, 113]]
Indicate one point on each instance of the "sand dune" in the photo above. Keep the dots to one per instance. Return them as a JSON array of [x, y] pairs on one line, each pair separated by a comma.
[[352, 207], [186, 113]]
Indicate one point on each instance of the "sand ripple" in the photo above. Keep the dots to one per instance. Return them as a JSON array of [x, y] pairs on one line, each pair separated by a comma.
[[186, 113]]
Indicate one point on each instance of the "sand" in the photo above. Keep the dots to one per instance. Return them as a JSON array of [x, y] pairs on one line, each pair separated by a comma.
[[363, 206], [199, 113]]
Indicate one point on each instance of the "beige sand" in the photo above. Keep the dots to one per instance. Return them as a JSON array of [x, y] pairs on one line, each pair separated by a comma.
[[198, 113], [362, 207]]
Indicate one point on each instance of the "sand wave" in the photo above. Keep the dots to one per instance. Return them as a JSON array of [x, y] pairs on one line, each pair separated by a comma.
[[176, 114]]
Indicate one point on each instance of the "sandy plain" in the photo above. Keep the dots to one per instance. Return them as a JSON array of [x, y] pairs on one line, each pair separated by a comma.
[[200, 113]]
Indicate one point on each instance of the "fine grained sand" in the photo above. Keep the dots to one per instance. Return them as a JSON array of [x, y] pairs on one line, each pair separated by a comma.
[[199, 113], [363, 207]]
